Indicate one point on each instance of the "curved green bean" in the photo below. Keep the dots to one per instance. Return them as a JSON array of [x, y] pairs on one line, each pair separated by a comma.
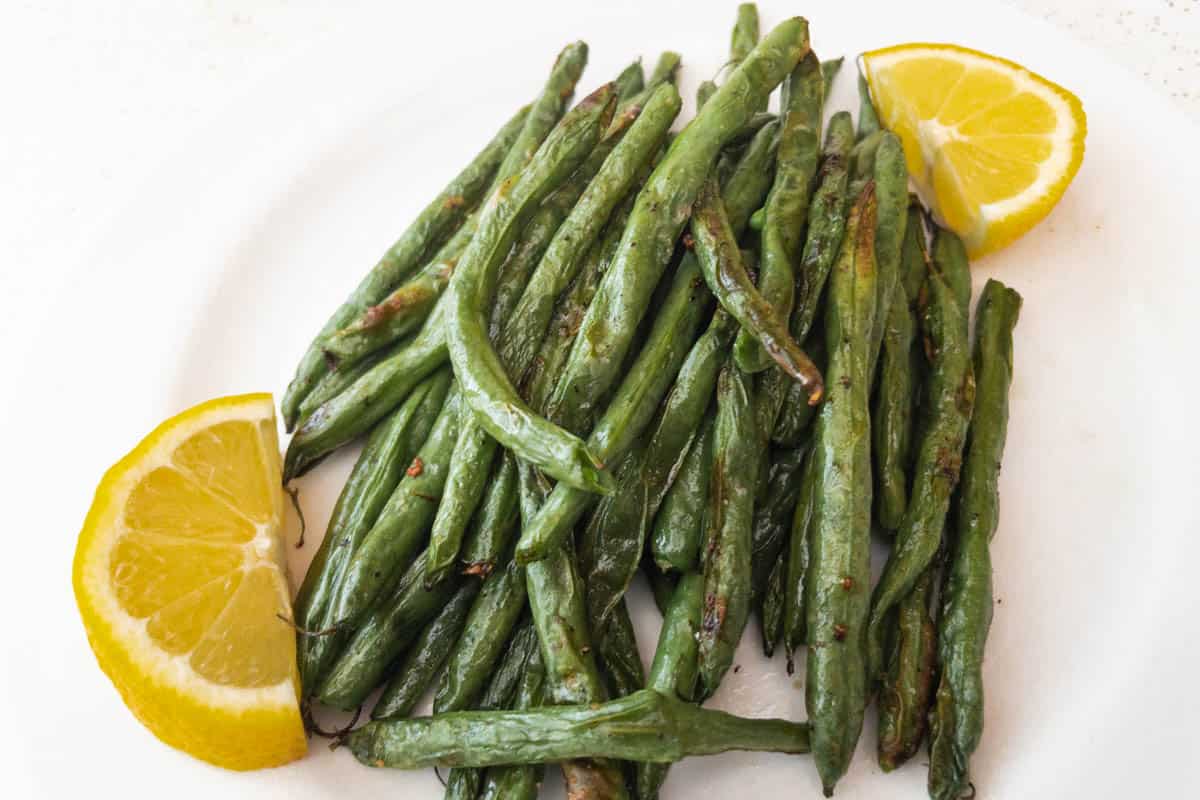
[[522, 276], [726, 276], [485, 384]]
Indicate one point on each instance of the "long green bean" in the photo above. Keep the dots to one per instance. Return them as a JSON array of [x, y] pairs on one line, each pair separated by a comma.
[[957, 719]]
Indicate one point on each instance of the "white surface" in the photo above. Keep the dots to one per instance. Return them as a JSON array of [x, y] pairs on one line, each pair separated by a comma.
[[132, 294]]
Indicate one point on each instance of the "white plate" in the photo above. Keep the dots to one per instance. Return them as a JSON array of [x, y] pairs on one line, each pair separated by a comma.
[[215, 273]]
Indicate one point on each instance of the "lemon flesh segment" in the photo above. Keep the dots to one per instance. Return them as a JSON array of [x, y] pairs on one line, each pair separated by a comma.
[[181, 583], [991, 147]]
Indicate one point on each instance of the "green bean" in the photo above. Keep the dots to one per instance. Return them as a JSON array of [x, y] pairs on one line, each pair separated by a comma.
[[617, 648], [957, 719], [950, 261], [862, 159], [679, 524], [486, 386], [630, 411], [390, 447], [665, 69], [337, 380], [359, 406], [747, 185], [547, 109], [427, 656], [493, 616], [629, 82], [868, 120], [645, 726], [826, 224], [662, 584], [613, 540], [829, 70], [464, 783], [726, 276], [520, 782], [673, 671], [562, 261], [745, 34], [730, 518], [556, 596], [899, 365], [391, 627], [393, 540], [948, 399], [906, 691], [559, 610], [657, 220], [771, 610], [839, 534], [891, 194], [794, 612], [402, 311], [564, 324], [773, 515], [495, 522], [435, 222], [539, 232], [795, 415], [522, 277], [787, 204], [704, 92]]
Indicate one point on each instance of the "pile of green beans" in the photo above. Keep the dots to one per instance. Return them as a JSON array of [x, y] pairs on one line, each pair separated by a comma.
[[722, 357]]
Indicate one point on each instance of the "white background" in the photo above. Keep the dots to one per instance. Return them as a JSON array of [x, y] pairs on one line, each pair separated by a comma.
[[177, 179]]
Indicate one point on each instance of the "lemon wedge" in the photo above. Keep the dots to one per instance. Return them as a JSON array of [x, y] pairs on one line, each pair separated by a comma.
[[180, 577], [991, 146]]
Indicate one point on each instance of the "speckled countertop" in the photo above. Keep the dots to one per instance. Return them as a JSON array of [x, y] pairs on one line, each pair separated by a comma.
[[1158, 40]]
